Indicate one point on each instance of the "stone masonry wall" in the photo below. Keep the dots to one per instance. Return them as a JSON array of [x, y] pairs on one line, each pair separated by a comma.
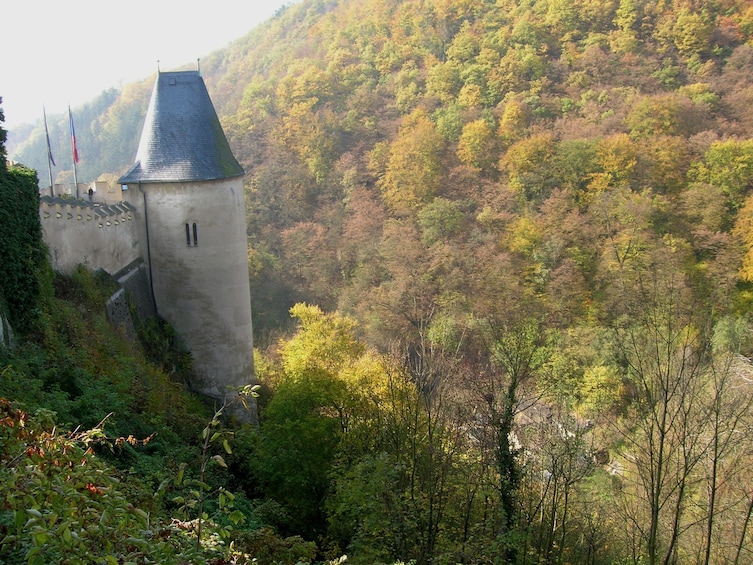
[[94, 235]]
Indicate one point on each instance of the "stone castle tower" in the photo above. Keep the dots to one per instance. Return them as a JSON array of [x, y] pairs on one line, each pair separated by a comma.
[[186, 188]]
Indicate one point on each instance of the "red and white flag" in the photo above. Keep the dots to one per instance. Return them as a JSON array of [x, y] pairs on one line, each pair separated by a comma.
[[74, 148]]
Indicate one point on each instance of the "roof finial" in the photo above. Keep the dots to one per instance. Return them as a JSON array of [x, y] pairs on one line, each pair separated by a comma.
[[198, 66], [158, 71]]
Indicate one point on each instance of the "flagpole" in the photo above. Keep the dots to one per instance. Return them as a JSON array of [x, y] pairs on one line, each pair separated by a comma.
[[50, 161], [74, 150]]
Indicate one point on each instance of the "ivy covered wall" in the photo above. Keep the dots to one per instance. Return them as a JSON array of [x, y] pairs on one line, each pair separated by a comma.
[[21, 252]]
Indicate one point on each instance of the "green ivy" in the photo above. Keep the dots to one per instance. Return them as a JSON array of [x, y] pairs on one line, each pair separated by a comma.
[[21, 249]]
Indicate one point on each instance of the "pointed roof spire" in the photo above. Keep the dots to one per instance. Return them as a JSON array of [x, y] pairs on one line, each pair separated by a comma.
[[182, 139]]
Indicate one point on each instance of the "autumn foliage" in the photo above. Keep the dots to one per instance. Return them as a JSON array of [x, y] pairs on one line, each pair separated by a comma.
[[501, 277]]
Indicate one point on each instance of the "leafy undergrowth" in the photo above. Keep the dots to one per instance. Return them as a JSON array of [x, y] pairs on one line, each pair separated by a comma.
[[62, 504], [101, 451]]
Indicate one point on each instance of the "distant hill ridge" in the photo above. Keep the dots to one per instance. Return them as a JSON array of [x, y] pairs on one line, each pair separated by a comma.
[[412, 54]]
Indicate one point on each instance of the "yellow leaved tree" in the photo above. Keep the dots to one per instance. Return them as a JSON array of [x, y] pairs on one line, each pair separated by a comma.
[[413, 169], [743, 231]]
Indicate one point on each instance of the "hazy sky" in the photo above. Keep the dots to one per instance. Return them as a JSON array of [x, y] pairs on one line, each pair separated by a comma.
[[59, 52]]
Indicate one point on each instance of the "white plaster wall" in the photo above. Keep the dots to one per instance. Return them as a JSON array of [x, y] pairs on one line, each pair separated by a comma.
[[77, 235], [202, 290]]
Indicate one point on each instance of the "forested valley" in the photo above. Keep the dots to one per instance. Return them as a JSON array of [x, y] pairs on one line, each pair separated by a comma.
[[501, 257]]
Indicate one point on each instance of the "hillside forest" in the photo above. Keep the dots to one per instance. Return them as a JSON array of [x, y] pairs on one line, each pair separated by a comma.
[[501, 259]]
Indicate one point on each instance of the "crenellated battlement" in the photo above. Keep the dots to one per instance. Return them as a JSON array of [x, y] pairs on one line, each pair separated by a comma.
[[81, 210], [99, 236]]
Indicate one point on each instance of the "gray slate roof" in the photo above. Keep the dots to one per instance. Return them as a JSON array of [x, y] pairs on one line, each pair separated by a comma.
[[182, 138]]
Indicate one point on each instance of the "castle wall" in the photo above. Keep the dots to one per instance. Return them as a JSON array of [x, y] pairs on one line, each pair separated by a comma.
[[6, 332], [132, 302], [96, 236], [195, 241]]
